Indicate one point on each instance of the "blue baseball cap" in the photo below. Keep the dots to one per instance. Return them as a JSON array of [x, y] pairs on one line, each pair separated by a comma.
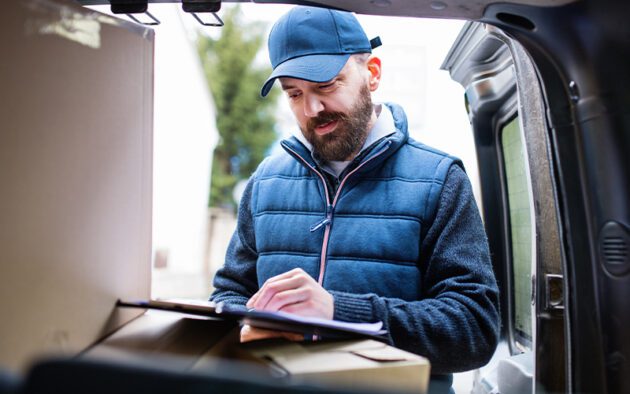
[[314, 44]]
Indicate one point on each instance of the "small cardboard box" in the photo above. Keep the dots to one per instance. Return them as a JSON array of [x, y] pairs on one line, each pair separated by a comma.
[[356, 364], [348, 364]]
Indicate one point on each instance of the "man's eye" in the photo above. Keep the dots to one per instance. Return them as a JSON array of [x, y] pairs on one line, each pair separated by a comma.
[[326, 86], [293, 95]]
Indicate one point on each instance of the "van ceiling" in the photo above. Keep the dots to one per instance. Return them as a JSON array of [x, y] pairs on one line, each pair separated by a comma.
[[449, 9]]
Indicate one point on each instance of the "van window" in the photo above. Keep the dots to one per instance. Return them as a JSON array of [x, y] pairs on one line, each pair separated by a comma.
[[520, 211]]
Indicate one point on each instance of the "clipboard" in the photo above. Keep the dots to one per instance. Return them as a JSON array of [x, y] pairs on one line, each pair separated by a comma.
[[191, 307], [281, 321]]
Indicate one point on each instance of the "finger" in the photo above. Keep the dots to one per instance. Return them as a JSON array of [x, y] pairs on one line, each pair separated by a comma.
[[299, 308], [252, 300], [270, 289], [289, 274], [306, 308], [249, 333], [292, 336], [287, 297], [285, 275]]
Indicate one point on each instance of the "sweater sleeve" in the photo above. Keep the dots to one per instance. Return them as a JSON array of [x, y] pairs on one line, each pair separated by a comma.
[[236, 281], [456, 324]]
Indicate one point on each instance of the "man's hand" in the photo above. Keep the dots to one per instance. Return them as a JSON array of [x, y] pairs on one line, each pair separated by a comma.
[[249, 333], [294, 292]]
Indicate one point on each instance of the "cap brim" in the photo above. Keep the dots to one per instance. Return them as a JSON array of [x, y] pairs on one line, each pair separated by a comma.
[[313, 68]]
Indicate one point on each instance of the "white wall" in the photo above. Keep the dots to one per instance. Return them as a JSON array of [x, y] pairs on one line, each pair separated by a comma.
[[185, 136]]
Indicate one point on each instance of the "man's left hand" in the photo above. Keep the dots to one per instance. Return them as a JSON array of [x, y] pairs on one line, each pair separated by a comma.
[[295, 292], [249, 333]]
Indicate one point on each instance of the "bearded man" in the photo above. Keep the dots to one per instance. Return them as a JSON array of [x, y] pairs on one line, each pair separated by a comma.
[[355, 221]]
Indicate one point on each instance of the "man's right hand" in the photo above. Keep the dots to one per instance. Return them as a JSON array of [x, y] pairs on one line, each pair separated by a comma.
[[294, 292]]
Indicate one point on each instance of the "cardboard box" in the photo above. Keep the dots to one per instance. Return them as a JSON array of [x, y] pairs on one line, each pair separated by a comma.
[[347, 364], [201, 343], [76, 89]]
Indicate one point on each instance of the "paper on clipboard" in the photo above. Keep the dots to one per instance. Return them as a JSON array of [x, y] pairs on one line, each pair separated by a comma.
[[263, 319], [369, 328], [307, 325]]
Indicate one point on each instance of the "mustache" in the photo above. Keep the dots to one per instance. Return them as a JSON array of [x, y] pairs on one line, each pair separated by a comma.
[[323, 118]]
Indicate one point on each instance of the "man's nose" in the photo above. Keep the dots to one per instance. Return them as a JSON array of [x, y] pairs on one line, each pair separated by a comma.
[[312, 105]]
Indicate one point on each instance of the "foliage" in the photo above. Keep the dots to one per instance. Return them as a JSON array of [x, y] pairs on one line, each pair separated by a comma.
[[244, 119]]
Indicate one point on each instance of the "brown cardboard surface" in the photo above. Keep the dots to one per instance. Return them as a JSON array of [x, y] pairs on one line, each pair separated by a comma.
[[163, 333], [201, 343], [76, 89], [354, 363]]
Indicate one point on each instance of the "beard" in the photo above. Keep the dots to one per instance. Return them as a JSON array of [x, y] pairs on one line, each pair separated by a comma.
[[350, 134]]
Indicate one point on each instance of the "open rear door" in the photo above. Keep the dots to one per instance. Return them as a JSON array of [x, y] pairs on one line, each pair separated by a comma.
[[520, 209]]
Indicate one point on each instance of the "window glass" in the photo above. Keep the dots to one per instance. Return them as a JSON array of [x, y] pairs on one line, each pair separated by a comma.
[[520, 210]]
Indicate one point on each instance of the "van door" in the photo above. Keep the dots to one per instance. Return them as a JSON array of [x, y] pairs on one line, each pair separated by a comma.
[[507, 113]]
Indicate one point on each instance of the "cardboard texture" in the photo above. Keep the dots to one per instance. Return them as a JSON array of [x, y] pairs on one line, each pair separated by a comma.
[[348, 364], [201, 343], [76, 89]]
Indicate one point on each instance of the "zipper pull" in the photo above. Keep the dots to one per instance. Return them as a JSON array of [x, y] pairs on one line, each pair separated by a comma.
[[324, 222], [319, 224]]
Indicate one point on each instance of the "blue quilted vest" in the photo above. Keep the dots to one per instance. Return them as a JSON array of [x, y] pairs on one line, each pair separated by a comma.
[[364, 239]]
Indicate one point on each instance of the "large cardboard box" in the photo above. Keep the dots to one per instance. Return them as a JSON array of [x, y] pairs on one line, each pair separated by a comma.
[[76, 94], [201, 343]]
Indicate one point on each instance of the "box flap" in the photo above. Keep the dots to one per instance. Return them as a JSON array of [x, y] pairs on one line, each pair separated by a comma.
[[383, 355]]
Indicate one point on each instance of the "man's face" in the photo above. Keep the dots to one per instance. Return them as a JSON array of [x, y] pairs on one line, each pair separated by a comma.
[[334, 116]]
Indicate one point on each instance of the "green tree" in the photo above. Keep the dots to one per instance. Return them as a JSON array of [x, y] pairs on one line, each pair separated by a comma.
[[245, 120]]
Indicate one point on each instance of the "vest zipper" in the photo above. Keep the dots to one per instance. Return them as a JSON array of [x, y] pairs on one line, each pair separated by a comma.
[[327, 221]]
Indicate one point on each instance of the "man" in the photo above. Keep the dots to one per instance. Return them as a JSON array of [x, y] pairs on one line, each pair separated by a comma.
[[355, 221]]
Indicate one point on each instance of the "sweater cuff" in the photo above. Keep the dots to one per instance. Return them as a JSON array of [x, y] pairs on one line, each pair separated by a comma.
[[352, 307], [229, 299]]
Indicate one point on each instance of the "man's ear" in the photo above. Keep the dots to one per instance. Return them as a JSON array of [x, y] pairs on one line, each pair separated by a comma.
[[374, 68]]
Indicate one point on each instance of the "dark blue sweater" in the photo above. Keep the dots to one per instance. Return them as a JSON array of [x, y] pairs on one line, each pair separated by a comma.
[[442, 305]]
